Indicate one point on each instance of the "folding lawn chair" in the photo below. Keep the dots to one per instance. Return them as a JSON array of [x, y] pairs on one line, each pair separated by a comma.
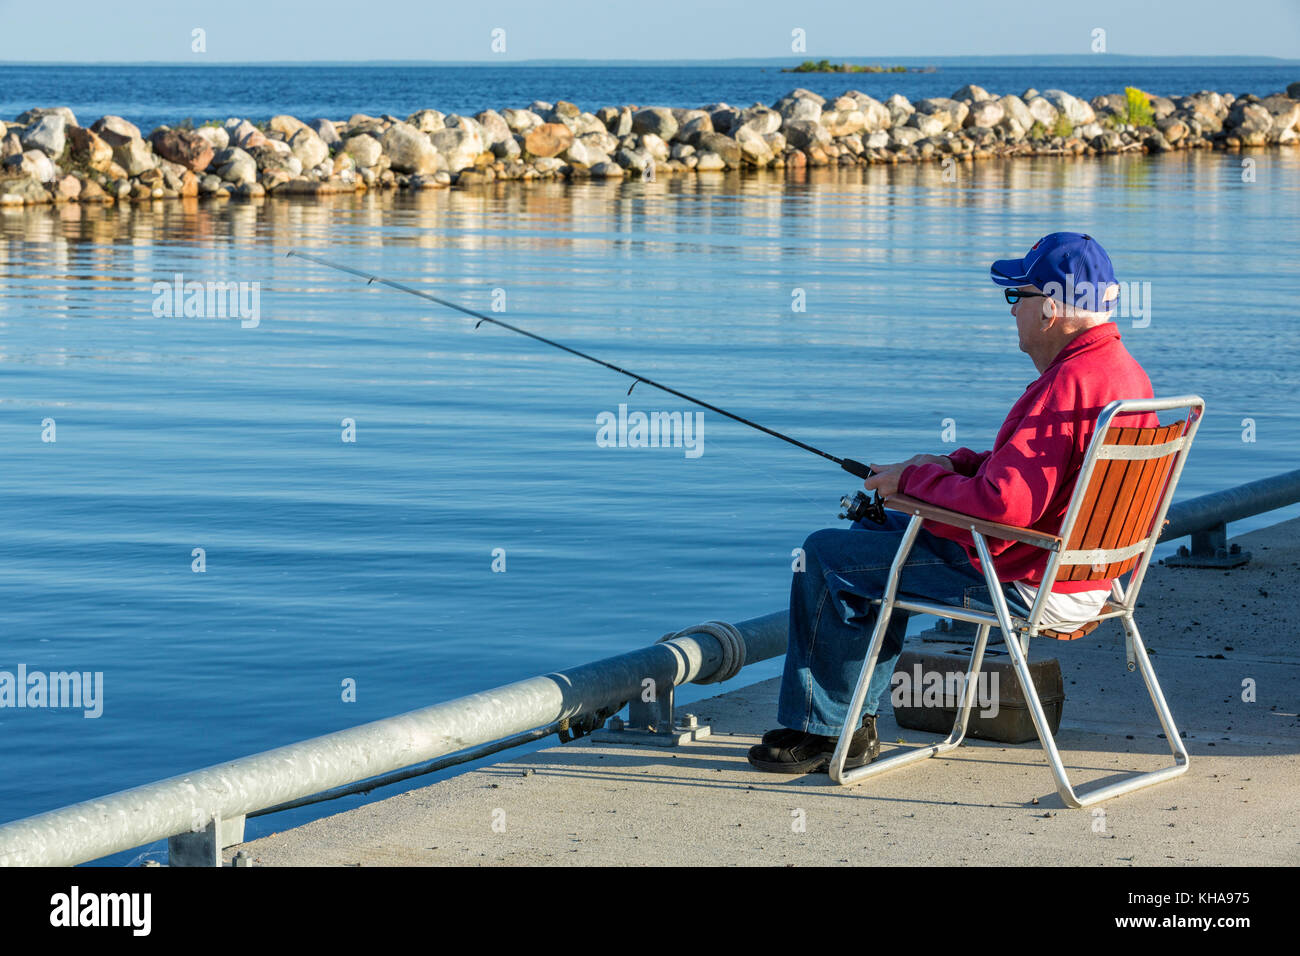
[[1111, 527]]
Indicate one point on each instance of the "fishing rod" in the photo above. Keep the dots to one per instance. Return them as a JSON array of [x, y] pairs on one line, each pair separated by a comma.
[[856, 508]]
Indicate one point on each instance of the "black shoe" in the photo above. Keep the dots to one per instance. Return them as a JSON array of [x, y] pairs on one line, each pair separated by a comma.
[[775, 738], [794, 751]]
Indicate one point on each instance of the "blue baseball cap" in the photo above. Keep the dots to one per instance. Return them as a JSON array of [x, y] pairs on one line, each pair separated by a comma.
[[1070, 267]]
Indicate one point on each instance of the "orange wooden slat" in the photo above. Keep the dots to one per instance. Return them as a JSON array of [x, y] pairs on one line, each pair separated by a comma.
[[1117, 534], [1100, 501], [1140, 527]]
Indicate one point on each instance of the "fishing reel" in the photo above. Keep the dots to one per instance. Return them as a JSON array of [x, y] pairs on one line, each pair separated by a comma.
[[862, 508]]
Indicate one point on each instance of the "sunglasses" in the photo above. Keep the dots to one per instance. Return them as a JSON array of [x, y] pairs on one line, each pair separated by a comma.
[[1015, 295]]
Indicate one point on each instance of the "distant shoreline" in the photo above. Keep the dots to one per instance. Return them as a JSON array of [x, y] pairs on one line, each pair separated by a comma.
[[49, 158], [1027, 61]]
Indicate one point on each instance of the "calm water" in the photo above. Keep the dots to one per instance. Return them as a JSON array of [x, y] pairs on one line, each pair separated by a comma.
[[151, 95], [372, 560]]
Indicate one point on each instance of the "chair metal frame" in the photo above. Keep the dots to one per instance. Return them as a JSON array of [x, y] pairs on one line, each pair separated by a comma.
[[1019, 629]]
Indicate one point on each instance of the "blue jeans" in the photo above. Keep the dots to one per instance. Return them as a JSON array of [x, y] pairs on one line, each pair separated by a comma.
[[831, 619]]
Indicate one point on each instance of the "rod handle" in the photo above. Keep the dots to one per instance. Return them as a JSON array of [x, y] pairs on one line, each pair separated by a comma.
[[856, 468]]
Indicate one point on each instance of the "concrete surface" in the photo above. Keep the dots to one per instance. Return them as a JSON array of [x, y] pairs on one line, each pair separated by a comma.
[[1212, 634]]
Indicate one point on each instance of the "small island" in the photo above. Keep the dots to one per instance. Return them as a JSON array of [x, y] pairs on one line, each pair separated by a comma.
[[826, 66]]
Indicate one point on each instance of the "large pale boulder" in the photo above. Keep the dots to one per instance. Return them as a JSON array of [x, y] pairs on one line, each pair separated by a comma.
[[1042, 111], [655, 147], [244, 134], [27, 117], [795, 109], [760, 119], [521, 121], [586, 123], [309, 148], [1284, 111], [930, 124], [409, 150], [1115, 103], [326, 131], [720, 145], [48, 134], [469, 123], [235, 166], [134, 156], [494, 129], [1015, 109], [601, 142], [905, 135], [31, 163], [1173, 129], [844, 122], [1162, 106], [799, 93], [875, 114], [509, 149], [973, 94], [458, 146], [216, 136], [709, 161], [1075, 110], [753, 147], [985, 113], [583, 154], [286, 125], [427, 121], [364, 150], [114, 130], [803, 134], [655, 119], [693, 127], [1250, 122], [952, 112]]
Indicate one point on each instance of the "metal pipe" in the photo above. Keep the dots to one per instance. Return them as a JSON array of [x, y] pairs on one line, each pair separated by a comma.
[[1233, 504], [189, 802], [419, 770]]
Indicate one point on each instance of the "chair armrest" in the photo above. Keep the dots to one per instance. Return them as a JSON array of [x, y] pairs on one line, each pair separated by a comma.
[[1007, 532]]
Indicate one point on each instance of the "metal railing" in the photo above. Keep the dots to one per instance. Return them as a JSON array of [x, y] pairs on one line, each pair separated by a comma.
[[202, 812], [1206, 519]]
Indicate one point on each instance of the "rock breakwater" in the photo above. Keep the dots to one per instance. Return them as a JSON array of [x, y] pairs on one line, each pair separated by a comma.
[[46, 156]]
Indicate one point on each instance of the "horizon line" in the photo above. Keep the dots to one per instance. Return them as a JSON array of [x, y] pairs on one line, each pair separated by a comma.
[[1038, 59]]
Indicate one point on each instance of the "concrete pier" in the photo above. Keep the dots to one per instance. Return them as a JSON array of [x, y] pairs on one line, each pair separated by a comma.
[[1217, 639]]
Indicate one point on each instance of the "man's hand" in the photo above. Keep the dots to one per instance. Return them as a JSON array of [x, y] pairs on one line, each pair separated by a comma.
[[885, 479]]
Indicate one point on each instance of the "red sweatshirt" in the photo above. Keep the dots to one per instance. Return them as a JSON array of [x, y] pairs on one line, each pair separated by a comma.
[[1028, 477]]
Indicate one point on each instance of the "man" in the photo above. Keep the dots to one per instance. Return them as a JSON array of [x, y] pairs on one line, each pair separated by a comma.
[[1061, 294]]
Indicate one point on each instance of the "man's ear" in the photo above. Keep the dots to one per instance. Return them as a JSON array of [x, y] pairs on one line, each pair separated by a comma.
[[1051, 310]]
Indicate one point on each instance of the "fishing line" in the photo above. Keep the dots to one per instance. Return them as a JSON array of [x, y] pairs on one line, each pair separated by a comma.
[[848, 464]]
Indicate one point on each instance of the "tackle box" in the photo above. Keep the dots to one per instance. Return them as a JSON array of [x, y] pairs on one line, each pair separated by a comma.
[[925, 693]]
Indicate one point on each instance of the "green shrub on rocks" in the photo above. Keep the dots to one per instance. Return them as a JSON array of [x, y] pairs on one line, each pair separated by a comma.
[[1139, 107], [1063, 127]]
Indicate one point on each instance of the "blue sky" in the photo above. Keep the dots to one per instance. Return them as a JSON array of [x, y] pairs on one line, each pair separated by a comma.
[[261, 30]]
